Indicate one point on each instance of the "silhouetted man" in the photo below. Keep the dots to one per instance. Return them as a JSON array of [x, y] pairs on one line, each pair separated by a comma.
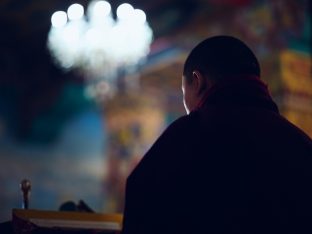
[[232, 165]]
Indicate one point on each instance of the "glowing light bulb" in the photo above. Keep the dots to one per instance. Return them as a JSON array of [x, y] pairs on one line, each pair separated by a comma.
[[75, 11], [139, 16], [102, 8], [99, 44], [125, 11], [59, 19]]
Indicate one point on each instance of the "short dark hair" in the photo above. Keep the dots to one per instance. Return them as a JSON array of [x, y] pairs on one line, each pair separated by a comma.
[[220, 57]]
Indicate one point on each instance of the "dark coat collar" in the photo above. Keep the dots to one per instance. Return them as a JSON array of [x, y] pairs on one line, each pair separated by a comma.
[[242, 91]]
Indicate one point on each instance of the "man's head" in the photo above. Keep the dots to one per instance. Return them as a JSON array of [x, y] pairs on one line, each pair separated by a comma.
[[213, 60]]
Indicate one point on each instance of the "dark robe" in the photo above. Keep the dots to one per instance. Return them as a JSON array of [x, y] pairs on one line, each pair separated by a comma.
[[234, 165]]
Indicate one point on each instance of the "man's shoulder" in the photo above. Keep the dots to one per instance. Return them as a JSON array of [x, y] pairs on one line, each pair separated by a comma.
[[181, 123], [176, 131], [170, 144]]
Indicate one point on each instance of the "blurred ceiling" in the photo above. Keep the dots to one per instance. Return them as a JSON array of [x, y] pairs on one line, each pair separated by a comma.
[[31, 84], [25, 25], [30, 19]]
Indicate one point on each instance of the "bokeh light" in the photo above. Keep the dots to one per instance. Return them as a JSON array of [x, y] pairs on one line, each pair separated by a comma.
[[98, 45], [101, 8], [139, 16], [125, 11], [75, 11], [59, 19]]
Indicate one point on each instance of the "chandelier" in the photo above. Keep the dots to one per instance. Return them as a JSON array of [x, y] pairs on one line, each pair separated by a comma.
[[98, 45]]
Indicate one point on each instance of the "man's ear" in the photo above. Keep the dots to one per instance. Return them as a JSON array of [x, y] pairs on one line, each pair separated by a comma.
[[200, 82]]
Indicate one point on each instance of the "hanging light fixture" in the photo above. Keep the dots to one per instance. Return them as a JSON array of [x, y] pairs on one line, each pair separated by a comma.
[[99, 45]]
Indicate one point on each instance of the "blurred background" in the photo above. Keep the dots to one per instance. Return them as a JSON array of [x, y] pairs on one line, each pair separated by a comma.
[[76, 129]]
